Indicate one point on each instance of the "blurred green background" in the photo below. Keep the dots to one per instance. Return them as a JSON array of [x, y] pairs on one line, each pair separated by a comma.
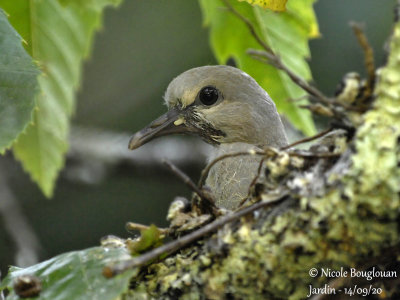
[[142, 46]]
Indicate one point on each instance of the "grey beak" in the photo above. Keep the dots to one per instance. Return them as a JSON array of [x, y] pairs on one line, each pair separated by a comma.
[[163, 125]]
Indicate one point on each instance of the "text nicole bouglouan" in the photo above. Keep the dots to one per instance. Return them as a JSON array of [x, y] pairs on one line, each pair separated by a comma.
[[360, 290]]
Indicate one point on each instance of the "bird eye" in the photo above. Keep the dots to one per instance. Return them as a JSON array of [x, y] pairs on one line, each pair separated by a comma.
[[208, 95]]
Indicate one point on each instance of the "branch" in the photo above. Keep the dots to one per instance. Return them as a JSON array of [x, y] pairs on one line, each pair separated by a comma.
[[207, 199], [276, 61], [181, 242], [368, 55], [132, 226], [309, 139], [253, 182], [249, 25]]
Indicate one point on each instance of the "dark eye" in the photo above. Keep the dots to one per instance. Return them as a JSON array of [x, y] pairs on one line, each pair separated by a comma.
[[208, 95]]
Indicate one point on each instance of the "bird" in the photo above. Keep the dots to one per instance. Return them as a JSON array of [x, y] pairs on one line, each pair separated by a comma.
[[228, 109]]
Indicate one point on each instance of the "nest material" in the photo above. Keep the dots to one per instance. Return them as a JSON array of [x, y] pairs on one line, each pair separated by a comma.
[[342, 211]]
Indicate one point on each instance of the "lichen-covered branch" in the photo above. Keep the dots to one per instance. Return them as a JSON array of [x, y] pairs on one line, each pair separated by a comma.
[[342, 213]]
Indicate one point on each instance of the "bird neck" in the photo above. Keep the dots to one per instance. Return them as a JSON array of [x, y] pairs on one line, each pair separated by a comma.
[[270, 131]]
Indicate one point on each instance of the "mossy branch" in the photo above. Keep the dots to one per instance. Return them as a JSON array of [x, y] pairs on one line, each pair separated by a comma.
[[342, 215]]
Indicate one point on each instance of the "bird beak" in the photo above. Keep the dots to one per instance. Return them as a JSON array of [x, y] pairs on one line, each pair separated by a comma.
[[169, 123]]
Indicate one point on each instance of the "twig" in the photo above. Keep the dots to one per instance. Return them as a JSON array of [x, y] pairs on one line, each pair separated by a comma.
[[249, 26], [308, 139], [184, 178], [131, 226], [277, 63], [206, 197], [314, 155], [271, 58], [319, 109], [317, 95], [305, 140], [368, 55], [274, 59], [253, 182], [181, 242], [207, 169]]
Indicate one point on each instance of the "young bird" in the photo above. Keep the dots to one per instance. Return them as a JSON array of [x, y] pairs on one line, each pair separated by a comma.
[[228, 109]]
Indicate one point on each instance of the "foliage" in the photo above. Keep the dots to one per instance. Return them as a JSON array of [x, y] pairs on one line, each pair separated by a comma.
[[18, 84], [59, 34], [76, 275], [58, 37], [149, 238], [286, 33]]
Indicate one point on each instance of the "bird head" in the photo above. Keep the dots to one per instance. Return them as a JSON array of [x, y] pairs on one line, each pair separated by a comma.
[[221, 104]]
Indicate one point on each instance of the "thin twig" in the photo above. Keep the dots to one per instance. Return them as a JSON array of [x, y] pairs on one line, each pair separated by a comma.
[[253, 182], [249, 26], [184, 178], [308, 139], [319, 109], [316, 110], [207, 169], [131, 226], [313, 154], [181, 242], [368, 55], [321, 155], [305, 140], [206, 197], [275, 60]]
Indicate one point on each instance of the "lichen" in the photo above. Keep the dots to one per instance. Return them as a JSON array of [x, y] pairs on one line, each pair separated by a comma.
[[269, 257]]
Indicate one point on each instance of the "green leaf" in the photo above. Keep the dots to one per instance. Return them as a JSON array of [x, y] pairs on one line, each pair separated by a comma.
[[149, 238], [59, 37], [18, 84], [76, 275], [286, 33]]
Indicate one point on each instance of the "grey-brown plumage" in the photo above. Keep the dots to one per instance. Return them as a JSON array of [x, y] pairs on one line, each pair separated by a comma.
[[229, 110]]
